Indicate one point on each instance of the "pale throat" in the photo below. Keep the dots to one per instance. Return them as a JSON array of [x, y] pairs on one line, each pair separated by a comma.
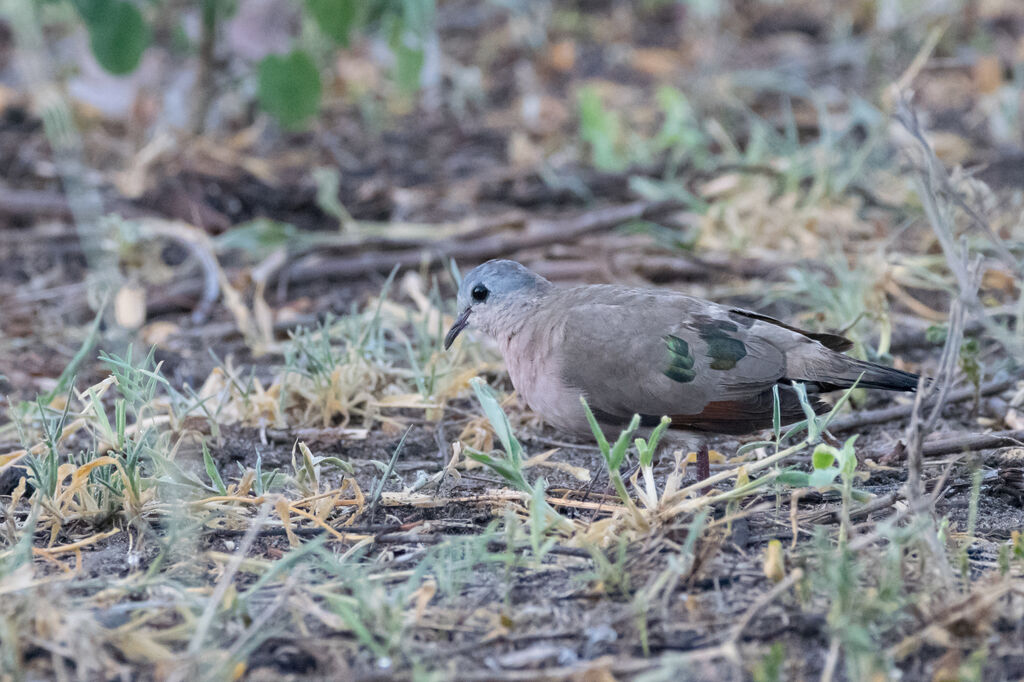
[[535, 367]]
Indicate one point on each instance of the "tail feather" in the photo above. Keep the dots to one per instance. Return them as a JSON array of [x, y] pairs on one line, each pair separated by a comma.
[[844, 371]]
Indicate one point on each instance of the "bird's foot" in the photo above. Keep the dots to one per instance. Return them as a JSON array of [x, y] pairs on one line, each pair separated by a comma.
[[704, 466]]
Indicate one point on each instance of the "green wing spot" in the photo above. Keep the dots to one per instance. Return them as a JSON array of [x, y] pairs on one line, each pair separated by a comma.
[[724, 350], [679, 351], [683, 376], [680, 361]]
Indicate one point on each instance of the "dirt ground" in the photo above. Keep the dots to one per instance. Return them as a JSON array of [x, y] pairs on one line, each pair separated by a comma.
[[168, 547]]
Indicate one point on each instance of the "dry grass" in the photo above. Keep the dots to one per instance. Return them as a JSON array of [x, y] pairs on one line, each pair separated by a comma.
[[205, 564], [345, 499]]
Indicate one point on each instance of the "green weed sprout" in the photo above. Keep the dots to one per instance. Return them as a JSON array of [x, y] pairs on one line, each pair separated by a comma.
[[613, 454], [540, 540], [510, 467], [645, 451]]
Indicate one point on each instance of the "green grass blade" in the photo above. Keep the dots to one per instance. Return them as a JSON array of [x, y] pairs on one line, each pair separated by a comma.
[[602, 442], [211, 471], [618, 452], [499, 421]]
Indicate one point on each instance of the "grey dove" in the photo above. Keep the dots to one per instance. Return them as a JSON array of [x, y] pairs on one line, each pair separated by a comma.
[[709, 367]]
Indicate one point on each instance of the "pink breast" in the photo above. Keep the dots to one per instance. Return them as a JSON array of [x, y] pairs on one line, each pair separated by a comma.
[[536, 375]]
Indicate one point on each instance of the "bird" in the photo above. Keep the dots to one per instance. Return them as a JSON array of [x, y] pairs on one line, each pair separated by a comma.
[[710, 368]]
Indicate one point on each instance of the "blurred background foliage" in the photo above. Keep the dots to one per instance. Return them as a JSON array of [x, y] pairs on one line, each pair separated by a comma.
[[769, 123], [289, 85]]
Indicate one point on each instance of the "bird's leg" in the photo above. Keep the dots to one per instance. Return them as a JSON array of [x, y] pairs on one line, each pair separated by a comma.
[[831, 440], [703, 465], [630, 471]]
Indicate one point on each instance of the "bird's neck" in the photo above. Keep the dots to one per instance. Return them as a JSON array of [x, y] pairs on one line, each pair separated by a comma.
[[508, 324]]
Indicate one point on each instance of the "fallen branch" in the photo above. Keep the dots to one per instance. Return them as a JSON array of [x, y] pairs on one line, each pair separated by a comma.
[[973, 443], [656, 267], [889, 414], [201, 247], [537, 233], [834, 516], [33, 203]]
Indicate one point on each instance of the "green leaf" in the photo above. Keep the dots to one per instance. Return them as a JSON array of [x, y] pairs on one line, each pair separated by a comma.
[[936, 334], [795, 428], [646, 450], [328, 182], [813, 427], [601, 129], [539, 526], [839, 403], [511, 466], [337, 18], [861, 496], [848, 457], [681, 130], [511, 474], [618, 452], [100, 415], [289, 88], [408, 65], [211, 471], [747, 447], [258, 237], [595, 428], [499, 421], [409, 25], [776, 413], [665, 190], [68, 374], [117, 33], [823, 477], [792, 477], [823, 457], [340, 463]]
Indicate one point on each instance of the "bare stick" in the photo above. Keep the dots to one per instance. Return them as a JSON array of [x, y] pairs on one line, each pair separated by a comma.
[[889, 414], [199, 244], [33, 203], [203, 95], [914, 454], [973, 443], [537, 233], [939, 197]]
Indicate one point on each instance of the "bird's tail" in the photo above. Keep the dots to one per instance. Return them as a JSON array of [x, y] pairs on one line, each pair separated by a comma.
[[843, 371]]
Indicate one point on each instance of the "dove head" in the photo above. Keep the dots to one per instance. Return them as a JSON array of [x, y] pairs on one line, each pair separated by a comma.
[[493, 295]]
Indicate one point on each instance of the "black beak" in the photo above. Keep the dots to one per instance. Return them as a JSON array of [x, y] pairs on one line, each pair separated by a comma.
[[457, 328]]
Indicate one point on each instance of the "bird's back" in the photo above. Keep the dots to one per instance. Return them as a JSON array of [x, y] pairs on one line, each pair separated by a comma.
[[655, 352]]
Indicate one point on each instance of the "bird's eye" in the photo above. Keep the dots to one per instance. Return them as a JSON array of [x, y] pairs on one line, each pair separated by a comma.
[[479, 293]]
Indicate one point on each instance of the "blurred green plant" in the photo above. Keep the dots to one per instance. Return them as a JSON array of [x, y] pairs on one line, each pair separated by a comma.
[[855, 303], [289, 86], [681, 138], [118, 35], [770, 668], [602, 130]]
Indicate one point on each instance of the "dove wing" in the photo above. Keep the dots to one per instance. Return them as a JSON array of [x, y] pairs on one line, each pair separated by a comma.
[[654, 353]]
